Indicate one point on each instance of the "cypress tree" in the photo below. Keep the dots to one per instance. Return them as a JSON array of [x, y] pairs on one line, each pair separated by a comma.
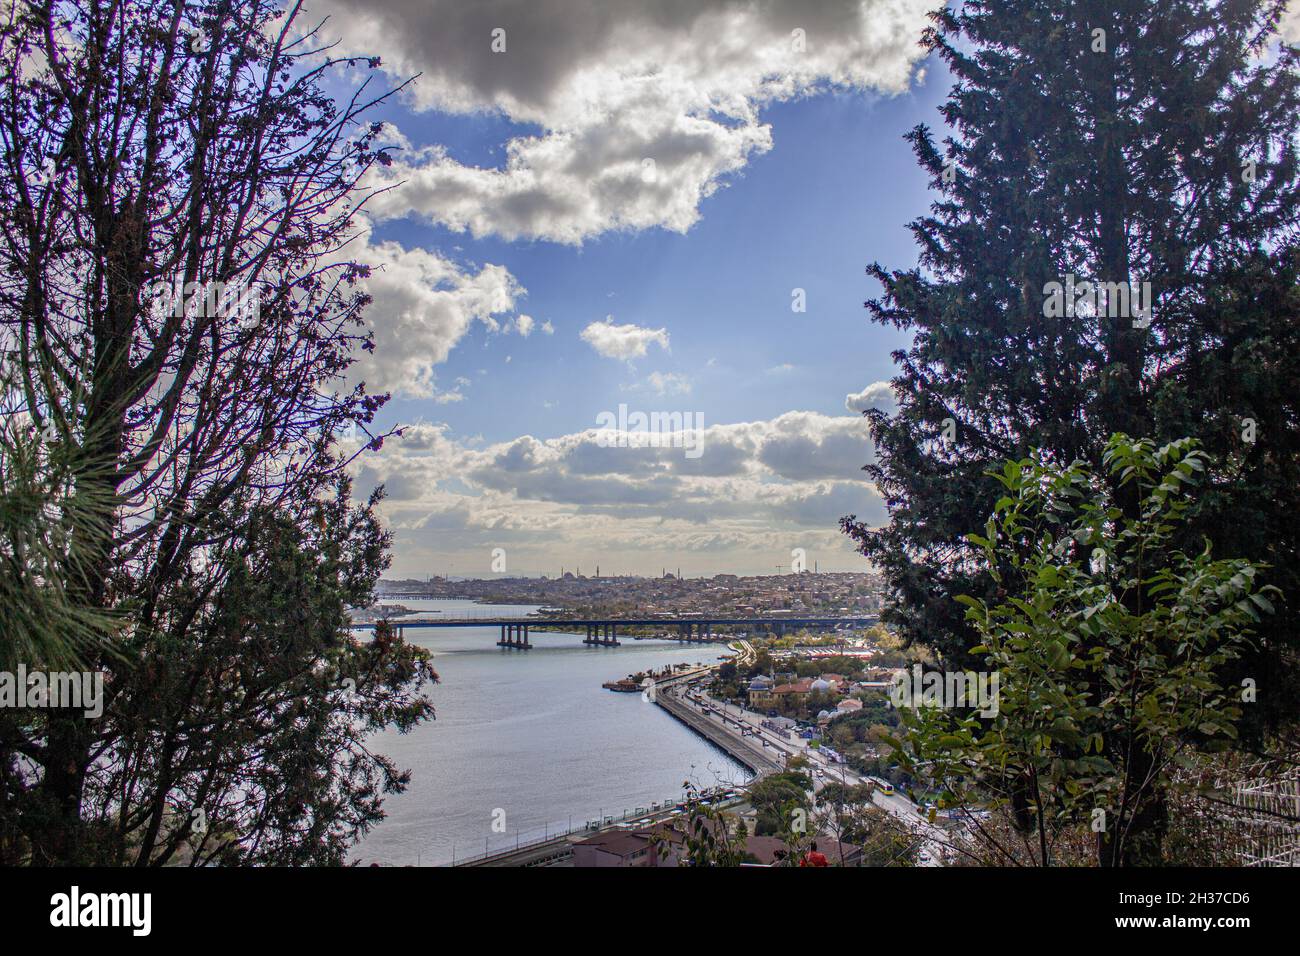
[[1122, 143]]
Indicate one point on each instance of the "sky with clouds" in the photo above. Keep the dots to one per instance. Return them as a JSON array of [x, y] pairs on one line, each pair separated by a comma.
[[667, 207]]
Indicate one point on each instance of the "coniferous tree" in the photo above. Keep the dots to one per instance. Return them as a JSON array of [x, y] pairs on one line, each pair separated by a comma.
[[1116, 142]]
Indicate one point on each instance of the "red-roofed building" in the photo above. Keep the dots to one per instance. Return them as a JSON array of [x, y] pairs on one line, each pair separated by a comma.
[[629, 848]]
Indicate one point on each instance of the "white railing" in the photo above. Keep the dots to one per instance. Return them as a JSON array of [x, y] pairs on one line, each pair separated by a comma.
[[533, 837]]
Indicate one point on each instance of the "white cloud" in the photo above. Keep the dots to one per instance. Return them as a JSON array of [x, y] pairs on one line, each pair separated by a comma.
[[423, 305], [876, 395], [642, 110], [668, 383], [758, 487], [622, 341], [1290, 25], [525, 325]]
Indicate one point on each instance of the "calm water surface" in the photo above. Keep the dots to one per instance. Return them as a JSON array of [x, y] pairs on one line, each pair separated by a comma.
[[532, 735]]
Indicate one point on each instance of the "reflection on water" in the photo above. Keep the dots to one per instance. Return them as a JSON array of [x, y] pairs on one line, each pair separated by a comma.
[[531, 737]]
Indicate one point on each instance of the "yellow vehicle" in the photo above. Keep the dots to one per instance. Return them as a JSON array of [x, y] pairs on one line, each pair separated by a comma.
[[887, 789]]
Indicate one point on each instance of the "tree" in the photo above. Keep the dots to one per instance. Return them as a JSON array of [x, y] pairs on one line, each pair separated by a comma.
[[1107, 643], [842, 807], [1111, 143], [706, 838], [177, 302], [43, 622], [885, 840], [782, 803]]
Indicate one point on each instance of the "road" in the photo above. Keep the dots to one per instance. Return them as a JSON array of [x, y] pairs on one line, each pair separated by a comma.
[[742, 748], [749, 723]]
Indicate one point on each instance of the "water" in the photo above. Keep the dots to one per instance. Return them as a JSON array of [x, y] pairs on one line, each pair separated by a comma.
[[531, 739]]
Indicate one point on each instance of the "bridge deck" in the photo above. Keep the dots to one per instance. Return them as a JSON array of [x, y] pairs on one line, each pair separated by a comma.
[[533, 622]]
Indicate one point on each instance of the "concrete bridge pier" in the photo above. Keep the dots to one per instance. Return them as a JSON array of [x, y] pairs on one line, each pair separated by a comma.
[[601, 635], [515, 636], [693, 632]]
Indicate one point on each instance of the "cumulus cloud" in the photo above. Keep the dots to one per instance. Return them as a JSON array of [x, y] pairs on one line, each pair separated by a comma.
[[423, 305], [635, 112], [776, 483], [664, 383], [876, 395], [622, 341], [809, 446], [1290, 25], [759, 488]]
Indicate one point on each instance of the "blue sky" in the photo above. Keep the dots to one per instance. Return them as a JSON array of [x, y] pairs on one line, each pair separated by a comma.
[[526, 207], [834, 194]]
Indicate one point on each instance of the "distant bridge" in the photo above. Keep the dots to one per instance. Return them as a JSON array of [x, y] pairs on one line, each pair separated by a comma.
[[603, 631]]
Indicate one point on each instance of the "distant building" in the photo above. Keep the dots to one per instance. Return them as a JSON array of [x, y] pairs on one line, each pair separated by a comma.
[[797, 692]]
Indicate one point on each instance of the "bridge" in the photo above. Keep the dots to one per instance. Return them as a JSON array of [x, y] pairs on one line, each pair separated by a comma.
[[603, 631]]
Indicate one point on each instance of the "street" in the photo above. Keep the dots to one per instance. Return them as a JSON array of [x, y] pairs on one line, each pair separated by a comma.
[[749, 723]]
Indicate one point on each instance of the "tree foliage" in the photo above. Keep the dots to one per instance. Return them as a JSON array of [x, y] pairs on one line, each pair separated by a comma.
[[1119, 164], [1108, 641], [1131, 142], [178, 308]]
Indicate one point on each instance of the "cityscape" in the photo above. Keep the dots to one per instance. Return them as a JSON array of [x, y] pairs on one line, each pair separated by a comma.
[[720, 594]]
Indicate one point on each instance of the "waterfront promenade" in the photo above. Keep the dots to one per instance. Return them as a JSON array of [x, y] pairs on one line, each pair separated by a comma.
[[741, 749]]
